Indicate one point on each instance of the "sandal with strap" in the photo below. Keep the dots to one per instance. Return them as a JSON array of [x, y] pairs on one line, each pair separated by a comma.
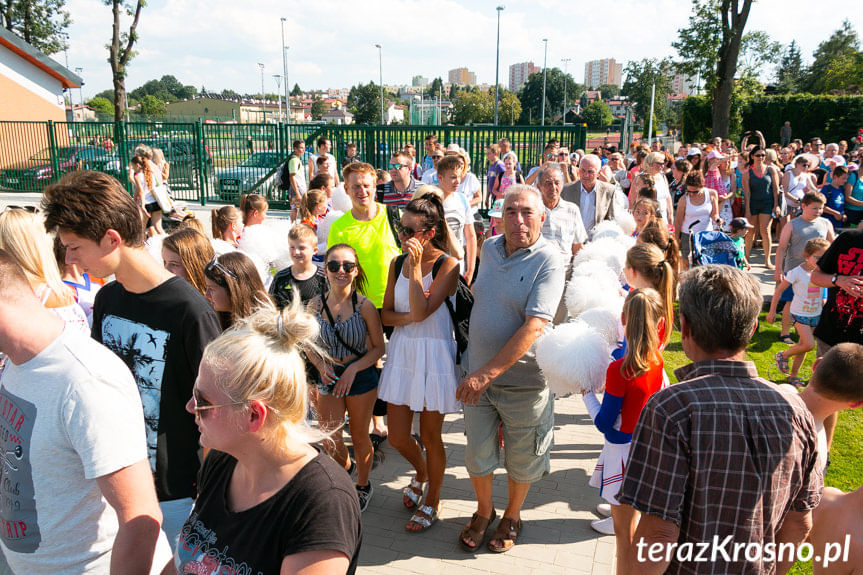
[[413, 493], [475, 531], [507, 533], [796, 382], [425, 517]]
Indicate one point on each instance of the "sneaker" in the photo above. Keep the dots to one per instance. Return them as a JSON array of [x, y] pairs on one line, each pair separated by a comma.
[[365, 495], [604, 509], [781, 362], [604, 526], [353, 468]]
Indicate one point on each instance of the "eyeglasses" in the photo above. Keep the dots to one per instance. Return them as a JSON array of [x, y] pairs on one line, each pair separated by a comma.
[[333, 266], [30, 209], [688, 191], [408, 231], [759, 155], [397, 166], [199, 405], [214, 264], [436, 158]]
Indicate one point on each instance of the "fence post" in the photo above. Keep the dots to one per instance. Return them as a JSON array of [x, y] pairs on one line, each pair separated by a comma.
[[122, 153], [52, 144], [199, 159]]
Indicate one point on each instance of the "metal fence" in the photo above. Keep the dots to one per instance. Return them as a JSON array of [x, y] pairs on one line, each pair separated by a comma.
[[218, 162]]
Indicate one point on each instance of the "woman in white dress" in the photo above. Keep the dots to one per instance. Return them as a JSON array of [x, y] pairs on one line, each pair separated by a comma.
[[420, 374]]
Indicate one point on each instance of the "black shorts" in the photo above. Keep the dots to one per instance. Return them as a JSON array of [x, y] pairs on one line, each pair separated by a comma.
[[152, 208], [364, 381]]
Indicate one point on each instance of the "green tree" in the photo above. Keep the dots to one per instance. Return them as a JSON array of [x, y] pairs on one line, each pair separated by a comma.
[[641, 75], [435, 88], [509, 107], [107, 94], [843, 42], [120, 49], [845, 73], [101, 105], [530, 95], [364, 102], [609, 91], [597, 114], [710, 47], [41, 23], [789, 75], [152, 106], [319, 108], [296, 90], [473, 108]]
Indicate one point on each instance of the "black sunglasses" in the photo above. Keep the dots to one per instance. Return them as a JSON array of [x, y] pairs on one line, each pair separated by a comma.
[[333, 266], [215, 265], [408, 231], [31, 209]]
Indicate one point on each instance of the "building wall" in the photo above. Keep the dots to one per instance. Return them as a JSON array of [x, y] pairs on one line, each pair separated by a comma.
[[605, 71], [519, 74], [205, 107], [462, 77]]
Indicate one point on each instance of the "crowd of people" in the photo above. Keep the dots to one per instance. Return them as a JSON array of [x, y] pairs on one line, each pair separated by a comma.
[[179, 402]]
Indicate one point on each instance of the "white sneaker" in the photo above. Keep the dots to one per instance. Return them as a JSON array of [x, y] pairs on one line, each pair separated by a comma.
[[604, 526], [604, 509]]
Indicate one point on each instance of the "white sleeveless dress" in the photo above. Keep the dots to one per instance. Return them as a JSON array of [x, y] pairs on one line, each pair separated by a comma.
[[420, 371]]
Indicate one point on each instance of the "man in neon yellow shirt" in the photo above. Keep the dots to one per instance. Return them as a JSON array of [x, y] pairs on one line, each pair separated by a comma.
[[366, 229]]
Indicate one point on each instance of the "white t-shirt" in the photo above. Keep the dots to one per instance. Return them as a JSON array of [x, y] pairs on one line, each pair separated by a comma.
[[663, 194], [430, 177], [456, 211], [807, 296], [313, 162], [469, 186], [70, 415]]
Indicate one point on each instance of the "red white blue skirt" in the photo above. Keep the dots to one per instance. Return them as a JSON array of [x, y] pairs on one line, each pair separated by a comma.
[[608, 475]]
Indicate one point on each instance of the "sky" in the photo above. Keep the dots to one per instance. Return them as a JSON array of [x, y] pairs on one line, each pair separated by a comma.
[[218, 44]]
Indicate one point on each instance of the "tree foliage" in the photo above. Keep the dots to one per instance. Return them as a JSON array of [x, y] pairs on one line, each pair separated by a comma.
[[166, 89], [472, 108], [364, 102], [319, 108], [41, 23], [530, 95], [152, 106], [838, 53], [102, 106], [436, 87], [641, 75], [597, 114], [789, 74], [296, 90], [609, 91]]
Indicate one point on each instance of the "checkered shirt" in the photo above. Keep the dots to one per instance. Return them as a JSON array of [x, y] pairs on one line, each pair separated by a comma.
[[722, 453]]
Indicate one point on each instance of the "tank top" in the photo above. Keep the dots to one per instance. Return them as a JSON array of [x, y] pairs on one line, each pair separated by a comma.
[[353, 331], [856, 191], [760, 188], [796, 187], [697, 213]]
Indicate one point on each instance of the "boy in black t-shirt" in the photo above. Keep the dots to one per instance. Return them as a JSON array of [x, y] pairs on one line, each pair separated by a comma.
[[303, 277], [157, 323]]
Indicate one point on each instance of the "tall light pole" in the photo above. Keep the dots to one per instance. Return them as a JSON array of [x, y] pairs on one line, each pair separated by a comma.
[[80, 95], [544, 70], [278, 79], [565, 65], [497, 65], [263, 106], [285, 72], [381, 70]]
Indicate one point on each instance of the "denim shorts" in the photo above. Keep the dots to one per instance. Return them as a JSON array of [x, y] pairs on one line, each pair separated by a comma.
[[364, 381], [811, 321], [527, 414]]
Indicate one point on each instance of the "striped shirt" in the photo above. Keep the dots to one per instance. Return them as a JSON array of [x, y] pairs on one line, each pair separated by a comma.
[[723, 453], [390, 196]]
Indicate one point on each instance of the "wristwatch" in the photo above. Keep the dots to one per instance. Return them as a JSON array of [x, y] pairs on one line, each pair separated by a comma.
[[834, 278]]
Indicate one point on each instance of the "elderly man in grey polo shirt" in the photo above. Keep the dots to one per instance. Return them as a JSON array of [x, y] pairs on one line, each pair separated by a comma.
[[517, 293]]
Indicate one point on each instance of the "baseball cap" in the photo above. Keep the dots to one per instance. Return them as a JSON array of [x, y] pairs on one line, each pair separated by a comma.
[[496, 210], [693, 151], [453, 148], [739, 224]]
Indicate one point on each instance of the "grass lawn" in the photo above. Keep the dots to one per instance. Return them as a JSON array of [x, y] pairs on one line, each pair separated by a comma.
[[846, 463]]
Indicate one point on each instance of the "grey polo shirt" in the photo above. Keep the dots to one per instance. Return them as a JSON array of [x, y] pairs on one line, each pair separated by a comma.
[[507, 290]]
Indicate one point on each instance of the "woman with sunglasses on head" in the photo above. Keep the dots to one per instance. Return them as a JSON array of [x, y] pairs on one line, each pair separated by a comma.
[[234, 287], [353, 339], [796, 182], [698, 211], [761, 200], [268, 499], [420, 374]]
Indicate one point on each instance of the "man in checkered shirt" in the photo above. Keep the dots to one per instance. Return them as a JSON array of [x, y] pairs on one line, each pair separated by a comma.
[[724, 457]]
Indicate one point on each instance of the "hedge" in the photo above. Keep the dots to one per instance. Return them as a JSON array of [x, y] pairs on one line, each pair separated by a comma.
[[831, 118]]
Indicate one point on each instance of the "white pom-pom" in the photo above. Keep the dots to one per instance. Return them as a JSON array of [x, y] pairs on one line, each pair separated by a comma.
[[340, 200], [595, 270], [626, 222], [606, 229], [573, 357], [582, 294], [612, 251], [605, 321], [269, 242], [325, 223]]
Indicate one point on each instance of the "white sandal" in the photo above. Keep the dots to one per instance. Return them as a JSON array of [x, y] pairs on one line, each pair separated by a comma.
[[413, 492], [425, 517]]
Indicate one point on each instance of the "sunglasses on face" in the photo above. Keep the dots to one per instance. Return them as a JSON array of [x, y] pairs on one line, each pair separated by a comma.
[[30, 209], [215, 265], [397, 166], [436, 158], [199, 405], [333, 266], [759, 155], [408, 231]]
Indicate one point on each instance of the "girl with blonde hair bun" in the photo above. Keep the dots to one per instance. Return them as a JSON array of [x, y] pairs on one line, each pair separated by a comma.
[[267, 497]]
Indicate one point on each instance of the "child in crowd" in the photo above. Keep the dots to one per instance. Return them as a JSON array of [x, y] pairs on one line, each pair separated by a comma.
[[629, 383], [737, 230], [644, 212], [508, 178], [313, 207], [303, 276], [496, 169], [805, 309], [234, 287], [834, 193], [350, 154], [495, 221]]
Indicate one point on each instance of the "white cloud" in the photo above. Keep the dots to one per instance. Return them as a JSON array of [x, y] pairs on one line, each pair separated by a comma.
[[218, 43]]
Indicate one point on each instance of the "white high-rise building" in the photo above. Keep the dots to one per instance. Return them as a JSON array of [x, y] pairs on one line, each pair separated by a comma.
[[519, 73], [605, 71]]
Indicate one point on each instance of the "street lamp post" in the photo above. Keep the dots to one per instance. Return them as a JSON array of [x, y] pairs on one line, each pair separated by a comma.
[[544, 70], [381, 71], [263, 106], [80, 95], [565, 64], [285, 72], [497, 65], [278, 79]]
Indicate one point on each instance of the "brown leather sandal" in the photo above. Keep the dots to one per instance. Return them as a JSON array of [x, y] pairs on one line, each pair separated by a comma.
[[475, 531], [507, 533]]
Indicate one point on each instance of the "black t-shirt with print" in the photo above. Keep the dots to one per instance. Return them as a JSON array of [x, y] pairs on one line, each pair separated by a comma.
[[284, 285], [161, 335], [842, 316], [316, 510]]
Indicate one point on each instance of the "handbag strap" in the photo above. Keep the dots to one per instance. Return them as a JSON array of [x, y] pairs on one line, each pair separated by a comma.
[[333, 322]]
